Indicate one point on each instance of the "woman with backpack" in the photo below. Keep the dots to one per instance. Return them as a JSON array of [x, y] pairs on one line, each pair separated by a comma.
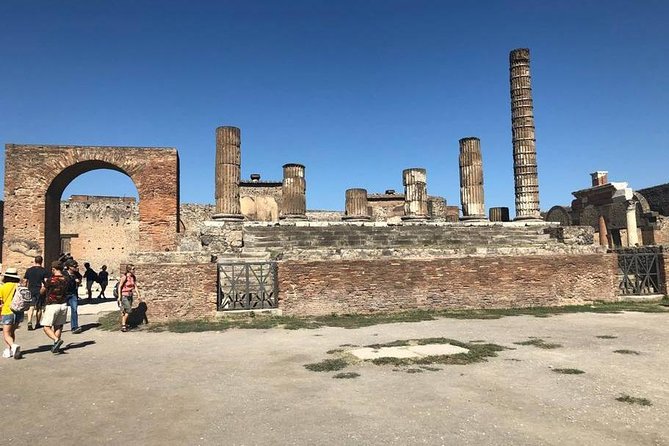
[[10, 318], [127, 290]]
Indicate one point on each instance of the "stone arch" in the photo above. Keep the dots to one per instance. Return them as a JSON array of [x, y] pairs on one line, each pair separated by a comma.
[[560, 214], [37, 175], [642, 203]]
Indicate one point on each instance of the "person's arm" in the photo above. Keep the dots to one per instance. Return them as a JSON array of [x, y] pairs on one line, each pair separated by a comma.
[[120, 284]]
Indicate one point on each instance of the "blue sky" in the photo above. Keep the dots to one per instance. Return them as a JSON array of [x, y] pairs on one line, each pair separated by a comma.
[[355, 90]]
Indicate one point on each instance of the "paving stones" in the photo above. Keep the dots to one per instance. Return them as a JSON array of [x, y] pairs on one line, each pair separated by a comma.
[[411, 351]]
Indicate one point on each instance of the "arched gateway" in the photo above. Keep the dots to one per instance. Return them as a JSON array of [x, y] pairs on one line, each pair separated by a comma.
[[37, 175]]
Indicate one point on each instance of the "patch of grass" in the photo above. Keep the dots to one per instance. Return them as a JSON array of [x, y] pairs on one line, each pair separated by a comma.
[[430, 368], [327, 365], [414, 371], [476, 341], [569, 371], [388, 344], [349, 345], [346, 375], [476, 353], [606, 337], [624, 398], [626, 352], [110, 322], [335, 350], [539, 343]]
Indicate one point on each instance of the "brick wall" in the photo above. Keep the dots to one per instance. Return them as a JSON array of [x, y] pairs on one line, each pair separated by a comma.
[[177, 290], [319, 288]]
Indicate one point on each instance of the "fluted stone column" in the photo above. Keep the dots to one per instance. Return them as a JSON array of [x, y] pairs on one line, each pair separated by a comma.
[[228, 174], [415, 194], [356, 205], [471, 180], [294, 188], [632, 234], [498, 214], [524, 140]]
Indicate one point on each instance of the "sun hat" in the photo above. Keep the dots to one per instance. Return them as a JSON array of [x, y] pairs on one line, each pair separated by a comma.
[[12, 272]]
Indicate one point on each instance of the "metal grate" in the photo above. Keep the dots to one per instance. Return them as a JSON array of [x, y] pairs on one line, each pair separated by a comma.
[[639, 271], [247, 286]]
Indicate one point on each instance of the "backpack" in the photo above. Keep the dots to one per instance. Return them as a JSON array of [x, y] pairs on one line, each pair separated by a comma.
[[21, 300]]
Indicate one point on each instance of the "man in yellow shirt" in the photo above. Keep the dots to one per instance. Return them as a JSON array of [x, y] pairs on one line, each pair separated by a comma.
[[10, 319]]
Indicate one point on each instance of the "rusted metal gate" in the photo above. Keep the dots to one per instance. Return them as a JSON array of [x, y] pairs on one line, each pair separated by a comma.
[[247, 286], [640, 270]]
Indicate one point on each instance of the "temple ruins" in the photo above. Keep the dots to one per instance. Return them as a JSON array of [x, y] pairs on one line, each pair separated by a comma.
[[260, 247]]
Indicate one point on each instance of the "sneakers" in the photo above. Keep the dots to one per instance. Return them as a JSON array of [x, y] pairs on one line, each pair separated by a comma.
[[124, 328], [16, 351], [56, 346], [77, 330], [6, 353], [30, 326]]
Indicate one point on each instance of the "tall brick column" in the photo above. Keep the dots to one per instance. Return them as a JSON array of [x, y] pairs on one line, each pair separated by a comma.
[[524, 140], [471, 179], [294, 188], [356, 205], [228, 174], [415, 194]]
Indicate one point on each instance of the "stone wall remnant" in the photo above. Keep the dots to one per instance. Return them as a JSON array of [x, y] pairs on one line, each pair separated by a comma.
[[228, 174], [294, 205], [415, 194], [471, 179], [524, 138]]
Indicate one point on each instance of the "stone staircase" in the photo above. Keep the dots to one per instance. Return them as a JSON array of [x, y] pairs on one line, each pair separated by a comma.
[[373, 240]]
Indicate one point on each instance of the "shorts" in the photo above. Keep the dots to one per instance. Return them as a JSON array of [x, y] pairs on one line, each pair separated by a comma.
[[126, 304], [54, 315], [12, 319], [37, 299]]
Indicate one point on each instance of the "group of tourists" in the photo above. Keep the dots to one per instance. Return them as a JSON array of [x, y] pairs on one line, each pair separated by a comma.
[[52, 294]]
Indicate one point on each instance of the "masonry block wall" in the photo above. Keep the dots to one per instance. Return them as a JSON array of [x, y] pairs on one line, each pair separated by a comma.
[[321, 288], [177, 290]]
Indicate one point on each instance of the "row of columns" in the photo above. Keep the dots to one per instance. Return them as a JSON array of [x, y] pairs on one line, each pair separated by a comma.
[[228, 176]]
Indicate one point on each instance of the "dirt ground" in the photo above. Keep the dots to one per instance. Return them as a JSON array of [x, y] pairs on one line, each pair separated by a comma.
[[250, 387]]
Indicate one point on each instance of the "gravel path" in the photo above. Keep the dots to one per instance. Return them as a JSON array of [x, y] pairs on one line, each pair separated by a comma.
[[248, 387]]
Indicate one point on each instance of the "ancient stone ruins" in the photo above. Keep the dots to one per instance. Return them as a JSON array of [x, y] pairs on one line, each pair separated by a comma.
[[259, 247]]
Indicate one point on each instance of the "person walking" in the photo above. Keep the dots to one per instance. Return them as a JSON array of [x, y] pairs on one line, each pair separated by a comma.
[[127, 290], [10, 318], [73, 277], [55, 311], [91, 277], [34, 278], [103, 279]]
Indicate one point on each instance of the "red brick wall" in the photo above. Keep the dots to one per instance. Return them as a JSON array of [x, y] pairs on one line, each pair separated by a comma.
[[365, 286], [177, 291]]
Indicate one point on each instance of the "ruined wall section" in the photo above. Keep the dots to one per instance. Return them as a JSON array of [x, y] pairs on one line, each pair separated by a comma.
[[101, 231], [657, 197], [261, 201]]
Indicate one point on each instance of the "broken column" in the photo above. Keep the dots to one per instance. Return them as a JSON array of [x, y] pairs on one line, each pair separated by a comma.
[[415, 194], [471, 180], [524, 140], [498, 214], [356, 205], [228, 174], [632, 232], [294, 188], [603, 231]]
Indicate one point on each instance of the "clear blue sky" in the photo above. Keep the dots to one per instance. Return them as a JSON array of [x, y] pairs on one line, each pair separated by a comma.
[[355, 90]]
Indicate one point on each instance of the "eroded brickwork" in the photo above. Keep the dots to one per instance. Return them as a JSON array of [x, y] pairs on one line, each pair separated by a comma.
[[321, 288]]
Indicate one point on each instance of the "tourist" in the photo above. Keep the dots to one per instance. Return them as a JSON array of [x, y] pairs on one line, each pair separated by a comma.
[[91, 277], [73, 278], [103, 279], [34, 278], [10, 318], [127, 289], [55, 311]]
